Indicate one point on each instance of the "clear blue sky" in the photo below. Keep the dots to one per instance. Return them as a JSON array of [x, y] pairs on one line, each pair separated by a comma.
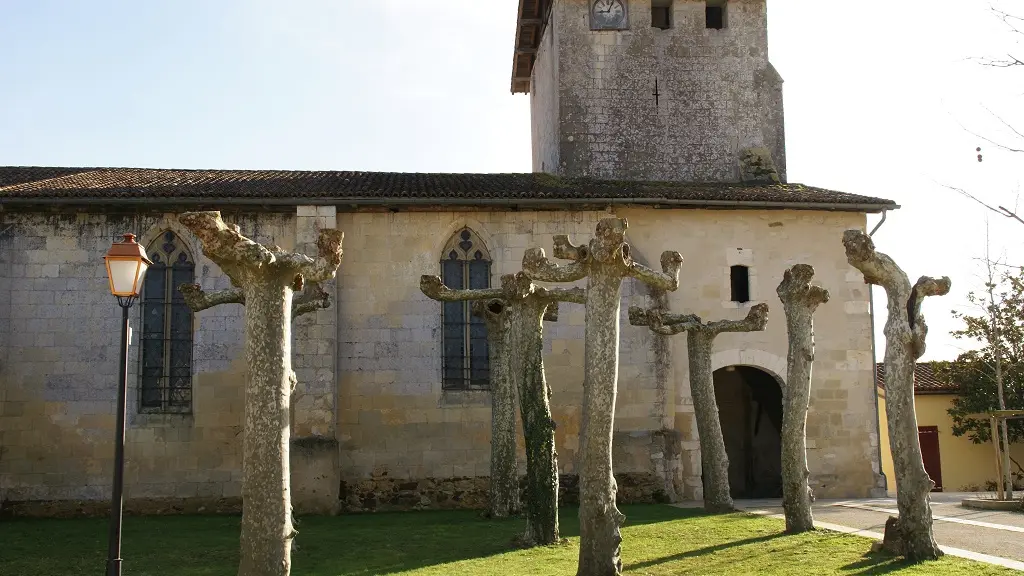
[[384, 85], [874, 100]]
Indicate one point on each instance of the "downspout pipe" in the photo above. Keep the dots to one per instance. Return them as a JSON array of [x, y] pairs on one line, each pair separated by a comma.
[[874, 367]]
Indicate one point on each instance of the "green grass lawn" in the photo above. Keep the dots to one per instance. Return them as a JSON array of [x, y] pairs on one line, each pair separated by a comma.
[[658, 540]]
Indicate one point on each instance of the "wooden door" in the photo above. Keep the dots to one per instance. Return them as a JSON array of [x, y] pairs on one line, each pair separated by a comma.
[[929, 437]]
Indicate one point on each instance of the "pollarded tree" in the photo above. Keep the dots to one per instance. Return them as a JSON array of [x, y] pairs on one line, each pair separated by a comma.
[[799, 300], [504, 490], [604, 263], [265, 281], [504, 479], [700, 341], [522, 307], [528, 304], [910, 535]]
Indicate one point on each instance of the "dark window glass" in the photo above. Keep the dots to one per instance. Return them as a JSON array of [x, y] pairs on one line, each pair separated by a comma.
[[165, 379], [661, 17], [714, 17], [464, 265], [739, 277]]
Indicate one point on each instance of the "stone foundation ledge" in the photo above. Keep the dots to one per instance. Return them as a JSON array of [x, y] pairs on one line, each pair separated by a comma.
[[133, 507], [377, 494], [385, 494]]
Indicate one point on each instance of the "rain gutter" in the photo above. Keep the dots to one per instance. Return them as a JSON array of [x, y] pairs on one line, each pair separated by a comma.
[[386, 202]]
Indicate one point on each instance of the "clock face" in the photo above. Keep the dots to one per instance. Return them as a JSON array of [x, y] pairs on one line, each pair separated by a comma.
[[608, 15]]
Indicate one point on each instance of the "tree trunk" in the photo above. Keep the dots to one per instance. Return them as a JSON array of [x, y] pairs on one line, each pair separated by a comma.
[[799, 300], [797, 495], [714, 459], [538, 425], [912, 482], [606, 261], [600, 519], [905, 332], [264, 280], [504, 468], [699, 342], [267, 530]]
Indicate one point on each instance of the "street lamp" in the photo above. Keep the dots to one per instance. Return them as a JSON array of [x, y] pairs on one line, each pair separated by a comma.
[[126, 266]]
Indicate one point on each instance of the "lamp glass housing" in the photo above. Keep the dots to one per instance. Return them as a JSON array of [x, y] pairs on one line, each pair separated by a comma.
[[126, 267]]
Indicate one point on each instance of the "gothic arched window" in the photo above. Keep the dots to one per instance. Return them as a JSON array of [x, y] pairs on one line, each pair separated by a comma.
[[465, 264], [165, 384]]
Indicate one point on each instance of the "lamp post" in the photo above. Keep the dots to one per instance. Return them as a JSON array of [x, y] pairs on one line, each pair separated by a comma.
[[126, 266]]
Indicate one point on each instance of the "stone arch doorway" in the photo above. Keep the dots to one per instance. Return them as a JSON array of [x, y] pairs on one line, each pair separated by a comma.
[[750, 410]]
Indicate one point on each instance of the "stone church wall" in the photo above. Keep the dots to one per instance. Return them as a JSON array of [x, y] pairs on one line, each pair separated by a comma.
[[717, 94], [396, 423], [59, 377], [842, 426], [373, 428]]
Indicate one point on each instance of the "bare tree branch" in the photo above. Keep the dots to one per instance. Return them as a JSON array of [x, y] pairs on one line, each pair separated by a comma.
[[329, 253], [972, 197], [664, 323], [671, 324], [313, 298], [991, 141], [436, 290], [925, 286], [198, 300], [995, 143], [1011, 22], [574, 295], [227, 247], [668, 279], [538, 267], [225, 244], [566, 250], [1004, 122]]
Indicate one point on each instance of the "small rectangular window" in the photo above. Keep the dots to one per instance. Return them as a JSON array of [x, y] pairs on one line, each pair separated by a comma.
[[661, 14], [739, 277], [714, 14]]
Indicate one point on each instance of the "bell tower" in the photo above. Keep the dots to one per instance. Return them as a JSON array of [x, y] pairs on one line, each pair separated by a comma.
[[673, 90]]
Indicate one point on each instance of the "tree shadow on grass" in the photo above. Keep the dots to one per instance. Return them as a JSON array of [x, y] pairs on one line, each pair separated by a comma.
[[386, 543], [703, 551], [876, 563], [152, 546], [349, 545]]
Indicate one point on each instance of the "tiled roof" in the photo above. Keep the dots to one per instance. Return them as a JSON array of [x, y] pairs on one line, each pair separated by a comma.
[[11, 175], [384, 188], [925, 379]]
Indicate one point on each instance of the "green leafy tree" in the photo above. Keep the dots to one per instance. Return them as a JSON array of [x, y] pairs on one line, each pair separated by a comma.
[[1000, 331]]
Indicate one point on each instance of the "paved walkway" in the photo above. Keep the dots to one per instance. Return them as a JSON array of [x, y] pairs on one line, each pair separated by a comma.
[[986, 535]]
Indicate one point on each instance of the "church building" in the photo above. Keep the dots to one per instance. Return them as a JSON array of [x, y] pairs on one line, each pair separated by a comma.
[[664, 112]]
